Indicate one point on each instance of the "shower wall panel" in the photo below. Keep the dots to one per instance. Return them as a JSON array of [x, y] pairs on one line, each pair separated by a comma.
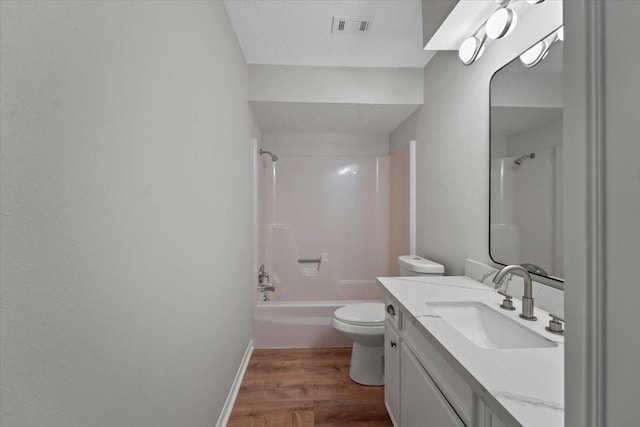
[[327, 226]]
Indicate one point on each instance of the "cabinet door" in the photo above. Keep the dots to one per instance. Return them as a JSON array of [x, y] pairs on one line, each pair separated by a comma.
[[392, 373], [490, 420], [422, 403]]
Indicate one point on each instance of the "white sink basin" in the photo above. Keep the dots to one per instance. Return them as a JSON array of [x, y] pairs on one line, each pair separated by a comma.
[[487, 328]]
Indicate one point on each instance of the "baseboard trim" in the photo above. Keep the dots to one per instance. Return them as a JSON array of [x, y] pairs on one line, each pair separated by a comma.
[[223, 419]]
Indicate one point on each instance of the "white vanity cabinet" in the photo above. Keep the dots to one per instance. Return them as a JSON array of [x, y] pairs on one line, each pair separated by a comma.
[[422, 402], [392, 343], [488, 418], [392, 373], [421, 387]]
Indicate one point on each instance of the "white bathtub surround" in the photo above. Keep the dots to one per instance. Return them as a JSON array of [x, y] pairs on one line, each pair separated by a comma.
[[545, 297], [520, 386], [325, 239], [334, 208], [312, 279], [298, 324]]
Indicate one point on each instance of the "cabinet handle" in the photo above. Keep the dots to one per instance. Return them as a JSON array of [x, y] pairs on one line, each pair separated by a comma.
[[391, 310], [393, 343]]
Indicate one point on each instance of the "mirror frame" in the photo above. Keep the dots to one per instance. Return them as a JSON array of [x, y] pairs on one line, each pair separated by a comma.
[[552, 281]]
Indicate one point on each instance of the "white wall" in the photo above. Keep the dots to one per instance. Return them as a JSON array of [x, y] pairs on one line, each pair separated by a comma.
[[126, 202], [333, 99], [527, 89], [404, 133], [453, 145], [352, 85], [547, 135], [400, 207], [538, 195], [534, 199], [326, 144]]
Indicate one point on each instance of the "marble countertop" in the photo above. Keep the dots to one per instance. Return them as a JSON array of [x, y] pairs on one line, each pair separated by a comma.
[[519, 385]]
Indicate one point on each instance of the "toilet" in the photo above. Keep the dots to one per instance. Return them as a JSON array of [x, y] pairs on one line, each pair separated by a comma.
[[364, 325], [414, 265]]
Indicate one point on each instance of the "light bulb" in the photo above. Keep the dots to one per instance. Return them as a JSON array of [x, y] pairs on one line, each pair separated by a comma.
[[470, 50], [532, 56], [501, 23]]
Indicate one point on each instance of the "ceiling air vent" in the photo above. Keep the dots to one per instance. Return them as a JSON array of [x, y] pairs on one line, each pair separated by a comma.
[[346, 25]]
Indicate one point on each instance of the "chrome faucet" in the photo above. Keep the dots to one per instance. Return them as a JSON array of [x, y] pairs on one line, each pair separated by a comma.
[[527, 299], [262, 277], [262, 274], [266, 287]]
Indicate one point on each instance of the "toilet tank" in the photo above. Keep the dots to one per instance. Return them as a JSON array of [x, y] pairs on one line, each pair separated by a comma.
[[414, 265]]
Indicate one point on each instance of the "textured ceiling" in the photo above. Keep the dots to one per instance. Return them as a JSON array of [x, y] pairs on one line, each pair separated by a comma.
[[287, 32], [313, 117]]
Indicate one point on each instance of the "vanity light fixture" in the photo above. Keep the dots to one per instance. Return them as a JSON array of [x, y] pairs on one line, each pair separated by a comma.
[[500, 24], [532, 56], [471, 49], [536, 53]]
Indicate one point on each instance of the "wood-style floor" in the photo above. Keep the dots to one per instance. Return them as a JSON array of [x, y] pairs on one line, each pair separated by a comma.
[[305, 387]]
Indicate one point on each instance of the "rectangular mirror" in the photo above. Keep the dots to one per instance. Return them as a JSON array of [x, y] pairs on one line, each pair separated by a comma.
[[525, 218]]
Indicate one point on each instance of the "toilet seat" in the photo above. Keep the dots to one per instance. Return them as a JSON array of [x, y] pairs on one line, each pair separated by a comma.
[[363, 314]]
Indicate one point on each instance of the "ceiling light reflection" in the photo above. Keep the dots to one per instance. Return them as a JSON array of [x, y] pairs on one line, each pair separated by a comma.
[[351, 170]]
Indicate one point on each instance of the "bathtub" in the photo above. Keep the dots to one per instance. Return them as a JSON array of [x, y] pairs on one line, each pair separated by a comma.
[[298, 324]]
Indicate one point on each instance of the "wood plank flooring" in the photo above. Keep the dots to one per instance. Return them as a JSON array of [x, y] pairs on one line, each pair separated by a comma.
[[305, 387]]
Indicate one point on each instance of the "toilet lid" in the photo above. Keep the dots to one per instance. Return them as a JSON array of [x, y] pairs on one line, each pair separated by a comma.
[[370, 313]]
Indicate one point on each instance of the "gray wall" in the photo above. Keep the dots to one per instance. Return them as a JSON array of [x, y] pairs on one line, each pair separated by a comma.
[[602, 214], [126, 211], [452, 133], [622, 201]]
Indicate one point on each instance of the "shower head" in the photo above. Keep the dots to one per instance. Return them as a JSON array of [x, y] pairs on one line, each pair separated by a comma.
[[519, 160], [273, 156]]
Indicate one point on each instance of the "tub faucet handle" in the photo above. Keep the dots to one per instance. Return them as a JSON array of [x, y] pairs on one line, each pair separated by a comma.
[[262, 275]]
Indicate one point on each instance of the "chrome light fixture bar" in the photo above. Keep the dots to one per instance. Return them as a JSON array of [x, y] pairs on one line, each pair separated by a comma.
[[498, 25]]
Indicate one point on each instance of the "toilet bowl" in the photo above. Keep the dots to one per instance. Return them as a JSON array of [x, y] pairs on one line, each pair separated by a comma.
[[364, 325]]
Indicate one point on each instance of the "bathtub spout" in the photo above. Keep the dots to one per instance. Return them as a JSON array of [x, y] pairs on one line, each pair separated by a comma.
[[266, 287]]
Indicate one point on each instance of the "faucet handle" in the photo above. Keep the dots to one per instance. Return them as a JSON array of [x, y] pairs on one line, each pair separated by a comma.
[[262, 274], [555, 325], [507, 303]]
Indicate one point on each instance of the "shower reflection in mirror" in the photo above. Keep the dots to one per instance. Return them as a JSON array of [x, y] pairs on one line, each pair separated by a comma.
[[526, 160]]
